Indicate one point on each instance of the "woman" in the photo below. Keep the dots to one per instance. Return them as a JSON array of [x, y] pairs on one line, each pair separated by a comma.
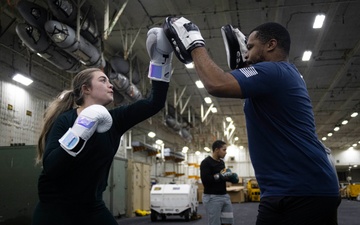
[[71, 185]]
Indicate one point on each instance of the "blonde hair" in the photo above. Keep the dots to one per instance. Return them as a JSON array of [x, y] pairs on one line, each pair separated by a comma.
[[66, 100]]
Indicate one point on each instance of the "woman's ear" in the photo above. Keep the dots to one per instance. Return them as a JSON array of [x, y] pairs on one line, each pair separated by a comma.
[[85, 89]]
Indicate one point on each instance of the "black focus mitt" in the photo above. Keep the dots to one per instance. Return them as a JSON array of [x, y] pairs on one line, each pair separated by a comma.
[[184, 36], [235, 46]]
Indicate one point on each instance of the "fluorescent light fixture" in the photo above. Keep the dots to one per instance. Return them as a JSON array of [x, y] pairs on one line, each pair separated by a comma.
[[207, 100], [214, 110], [306, 56], [337, 128], [199, 84], [319, 21], [151, 134], [159, 142], [185, 149], [330, 134], [22, 79], [354, 114], [324, 138], [190, 65], [344, 122], [207, 149]]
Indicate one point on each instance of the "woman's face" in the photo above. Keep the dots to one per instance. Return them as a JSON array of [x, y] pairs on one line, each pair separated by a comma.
[[101, 90]]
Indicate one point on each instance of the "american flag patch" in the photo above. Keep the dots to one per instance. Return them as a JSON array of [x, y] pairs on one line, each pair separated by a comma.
[[248, 71]]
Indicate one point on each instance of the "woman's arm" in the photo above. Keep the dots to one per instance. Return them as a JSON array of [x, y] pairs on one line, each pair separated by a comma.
[[126, 117]]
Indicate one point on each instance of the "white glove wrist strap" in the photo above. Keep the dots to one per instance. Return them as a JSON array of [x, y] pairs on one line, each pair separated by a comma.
[[69, 141], [161, 72]]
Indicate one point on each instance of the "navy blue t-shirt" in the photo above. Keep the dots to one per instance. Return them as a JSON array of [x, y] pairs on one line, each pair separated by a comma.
[[286, 154]]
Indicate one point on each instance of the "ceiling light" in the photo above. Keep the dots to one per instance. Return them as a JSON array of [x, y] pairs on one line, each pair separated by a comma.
[[214, 110], [354, 165], [208, 100], [337, 128], [306, 56], [324, 138], [159, 142], [190, 65], [236, 138], [207, 149], [199, 84], [228, 119], [330, 134], [151, 134], [319, 21], [22, 79], [197, 153], [354, 114], [344, 122], [354, 145]]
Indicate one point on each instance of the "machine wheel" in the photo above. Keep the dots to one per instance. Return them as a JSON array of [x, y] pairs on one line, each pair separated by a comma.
[[187, 215], [153, 215]]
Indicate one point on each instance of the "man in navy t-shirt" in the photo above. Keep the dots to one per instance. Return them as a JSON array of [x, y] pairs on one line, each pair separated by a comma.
[[298, 183]]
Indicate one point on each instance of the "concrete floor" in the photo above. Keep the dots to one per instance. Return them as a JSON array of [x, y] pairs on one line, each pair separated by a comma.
[[245, 213]]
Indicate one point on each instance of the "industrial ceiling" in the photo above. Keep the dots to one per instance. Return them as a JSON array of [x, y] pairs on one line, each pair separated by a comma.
[[332, 74]]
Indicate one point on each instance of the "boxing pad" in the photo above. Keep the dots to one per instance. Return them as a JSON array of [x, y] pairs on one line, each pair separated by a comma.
[[92, 118], [235, 46], [184, 36]]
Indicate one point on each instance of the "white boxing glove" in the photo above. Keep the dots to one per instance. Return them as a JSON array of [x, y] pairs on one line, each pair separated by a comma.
[[161, 53], [92, 118]]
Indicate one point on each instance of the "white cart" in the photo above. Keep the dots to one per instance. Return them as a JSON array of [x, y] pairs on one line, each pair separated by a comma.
[[173, 199]]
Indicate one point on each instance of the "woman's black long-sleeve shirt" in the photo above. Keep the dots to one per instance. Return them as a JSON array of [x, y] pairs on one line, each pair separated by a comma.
[[82, 179], [208, 168]]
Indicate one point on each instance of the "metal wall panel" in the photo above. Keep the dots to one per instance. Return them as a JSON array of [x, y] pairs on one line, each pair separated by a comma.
[[115, 194], [18, 184]]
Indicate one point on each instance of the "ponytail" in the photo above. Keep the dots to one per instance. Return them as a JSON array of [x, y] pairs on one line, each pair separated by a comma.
[[62, 103], [66, 100]]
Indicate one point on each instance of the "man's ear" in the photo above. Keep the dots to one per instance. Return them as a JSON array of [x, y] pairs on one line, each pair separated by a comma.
[[271, 45]]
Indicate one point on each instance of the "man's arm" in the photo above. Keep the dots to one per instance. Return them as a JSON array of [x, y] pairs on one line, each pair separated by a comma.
[[217, 82]]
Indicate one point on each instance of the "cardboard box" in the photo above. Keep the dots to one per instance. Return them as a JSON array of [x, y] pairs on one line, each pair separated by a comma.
[[236, 194]]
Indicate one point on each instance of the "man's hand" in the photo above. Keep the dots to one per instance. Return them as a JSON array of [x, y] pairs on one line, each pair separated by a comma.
[[224, 174]]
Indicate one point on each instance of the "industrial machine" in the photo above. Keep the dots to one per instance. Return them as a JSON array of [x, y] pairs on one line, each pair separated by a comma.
[[253, 191], [173, 199], [352, 191]]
